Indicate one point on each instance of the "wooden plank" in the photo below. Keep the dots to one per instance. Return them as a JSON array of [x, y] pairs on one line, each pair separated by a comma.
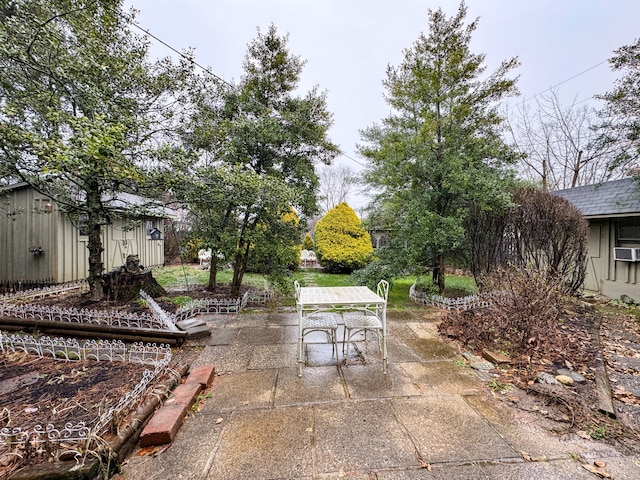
[[93, 330], [605, 399]]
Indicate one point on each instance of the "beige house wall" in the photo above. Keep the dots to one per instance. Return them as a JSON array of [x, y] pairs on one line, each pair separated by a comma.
[[605, 275], [26, 223]]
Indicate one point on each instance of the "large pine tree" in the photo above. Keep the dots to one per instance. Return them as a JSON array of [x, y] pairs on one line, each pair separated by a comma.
[[440, 149], [254, 148]]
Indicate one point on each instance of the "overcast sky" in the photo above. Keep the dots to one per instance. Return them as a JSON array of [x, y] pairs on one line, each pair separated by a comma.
[[349, 43]]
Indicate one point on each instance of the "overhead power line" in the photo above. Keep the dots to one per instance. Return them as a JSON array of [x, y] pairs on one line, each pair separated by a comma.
[[230, 85], [564, 81], [208, 71]]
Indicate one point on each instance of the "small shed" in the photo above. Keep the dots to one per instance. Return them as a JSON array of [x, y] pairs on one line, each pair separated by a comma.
[[40, 244], [613, 211]]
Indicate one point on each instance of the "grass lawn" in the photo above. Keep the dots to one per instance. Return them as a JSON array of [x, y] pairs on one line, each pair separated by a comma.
[[175, 275], [172, 276]]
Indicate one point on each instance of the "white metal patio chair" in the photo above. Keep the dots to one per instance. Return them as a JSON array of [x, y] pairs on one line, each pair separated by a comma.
[[368, 319], [321, 321]]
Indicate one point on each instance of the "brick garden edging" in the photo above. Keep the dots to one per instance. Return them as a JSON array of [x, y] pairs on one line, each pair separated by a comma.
[[166, 422]]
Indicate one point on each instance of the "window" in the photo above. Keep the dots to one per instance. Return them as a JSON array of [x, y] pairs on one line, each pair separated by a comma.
[[150, 226], [629, 229], [83, 225]]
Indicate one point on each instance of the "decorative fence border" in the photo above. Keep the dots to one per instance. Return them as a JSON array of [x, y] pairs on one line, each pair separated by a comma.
[[211, 305], [13, 306], [260, 296], [21, 296], [69, 349], [167, 320], [81, 316], [77, 437], [458, 304]]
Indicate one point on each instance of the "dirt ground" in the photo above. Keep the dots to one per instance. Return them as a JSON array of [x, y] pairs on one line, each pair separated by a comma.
[[43, 391], [576, 408]]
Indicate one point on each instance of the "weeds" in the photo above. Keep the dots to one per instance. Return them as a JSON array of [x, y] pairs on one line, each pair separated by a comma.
[[598, 432], [497, 386]]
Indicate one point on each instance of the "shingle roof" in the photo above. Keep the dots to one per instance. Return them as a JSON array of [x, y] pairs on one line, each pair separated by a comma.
[[614, 198]]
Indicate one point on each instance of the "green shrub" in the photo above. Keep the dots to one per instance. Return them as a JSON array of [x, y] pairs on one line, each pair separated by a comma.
[[342, 244], [308, 243], [371, 274]]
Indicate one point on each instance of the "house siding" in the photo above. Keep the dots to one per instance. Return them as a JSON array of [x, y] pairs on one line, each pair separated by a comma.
[[26, 237], [605, 275], [65, 254]]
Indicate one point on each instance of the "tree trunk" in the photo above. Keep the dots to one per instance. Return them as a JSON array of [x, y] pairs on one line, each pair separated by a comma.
[[213, 272], [438, 273], [122, 285], [94, 245], [239, 268]]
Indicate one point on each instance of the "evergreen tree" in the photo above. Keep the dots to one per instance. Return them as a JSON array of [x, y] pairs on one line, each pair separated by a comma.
[[342, 243], [258, 134], [440, 150]]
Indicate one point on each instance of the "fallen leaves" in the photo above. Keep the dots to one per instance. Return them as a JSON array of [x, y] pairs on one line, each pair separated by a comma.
[[597, 469]]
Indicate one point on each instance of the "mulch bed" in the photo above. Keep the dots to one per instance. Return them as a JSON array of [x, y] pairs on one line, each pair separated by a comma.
[[575, 409], [42, 391]]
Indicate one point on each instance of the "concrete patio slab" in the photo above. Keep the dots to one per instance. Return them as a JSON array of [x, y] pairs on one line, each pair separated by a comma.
[[226, 358], [187, 457], [272, 356], [347, 420], [431, 349], [446, 429], [399, 351], [622, 468], [319, 355], [527, 432], [557, 470], [442, 377], [262, 444], [222, 336], [369, 382], [282, 319], [317, 385], [360, 436], [264, 335], [252, 389]]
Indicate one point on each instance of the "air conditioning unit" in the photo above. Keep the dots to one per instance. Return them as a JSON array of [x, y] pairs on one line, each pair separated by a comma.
[[626, 254]]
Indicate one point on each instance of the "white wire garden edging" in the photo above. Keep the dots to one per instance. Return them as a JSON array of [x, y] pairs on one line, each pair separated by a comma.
[[111, 318], [211, 305], [77, 437], [31, 294], [458, 304], [167, 320]]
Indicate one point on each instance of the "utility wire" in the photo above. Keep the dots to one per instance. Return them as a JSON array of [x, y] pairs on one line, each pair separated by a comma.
[[230, 85], [208, 71], [564, 81]]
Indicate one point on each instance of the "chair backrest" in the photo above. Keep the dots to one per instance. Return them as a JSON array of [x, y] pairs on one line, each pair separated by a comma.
[[383, 289], [297, 286]]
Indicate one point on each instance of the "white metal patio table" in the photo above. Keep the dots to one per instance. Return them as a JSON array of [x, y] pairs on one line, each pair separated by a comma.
[[316, 299]]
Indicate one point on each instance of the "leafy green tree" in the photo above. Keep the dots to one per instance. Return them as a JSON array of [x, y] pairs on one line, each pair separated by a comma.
[[440, 150], [620, 125], [276, 253], [342, 243], [80, 108], [263, 131]]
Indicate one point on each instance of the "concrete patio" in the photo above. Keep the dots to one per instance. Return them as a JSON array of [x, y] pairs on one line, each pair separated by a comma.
[[429, 417]]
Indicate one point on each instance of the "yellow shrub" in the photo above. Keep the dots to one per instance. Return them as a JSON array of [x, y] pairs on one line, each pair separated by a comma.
[[341, 242]]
